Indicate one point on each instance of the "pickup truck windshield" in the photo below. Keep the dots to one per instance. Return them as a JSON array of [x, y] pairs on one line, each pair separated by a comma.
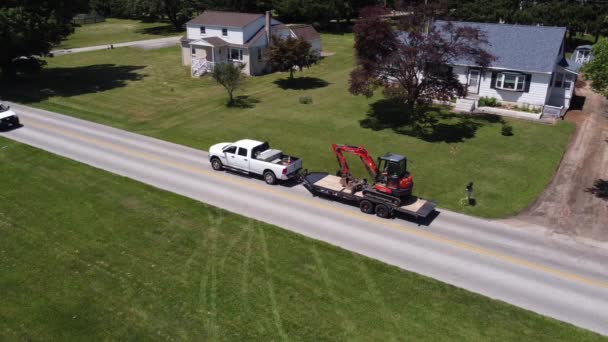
[[3, 108]]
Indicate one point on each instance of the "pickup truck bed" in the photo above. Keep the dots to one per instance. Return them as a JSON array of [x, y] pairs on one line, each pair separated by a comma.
[[329, 185]]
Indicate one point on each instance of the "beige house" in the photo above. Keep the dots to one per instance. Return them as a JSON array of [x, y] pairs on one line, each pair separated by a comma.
[[220, 37]]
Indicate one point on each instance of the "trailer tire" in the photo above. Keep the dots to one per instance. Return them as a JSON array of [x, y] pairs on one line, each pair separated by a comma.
[[366, 206], [216, 164], [383, 211], [270, 178]]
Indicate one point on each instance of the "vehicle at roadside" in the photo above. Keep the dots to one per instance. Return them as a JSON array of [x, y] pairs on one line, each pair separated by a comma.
[[388, 193], [8, 118], [255, 157]]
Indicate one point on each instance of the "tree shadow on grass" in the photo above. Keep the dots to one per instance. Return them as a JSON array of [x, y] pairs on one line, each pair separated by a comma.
[[160, 30], [68, 82], [429, 123], [244, 101], [301, 83]]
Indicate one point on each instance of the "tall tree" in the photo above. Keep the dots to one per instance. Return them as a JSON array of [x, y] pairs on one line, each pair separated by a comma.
[[178, 11], [285, 54], [229, 76], [411, 62], [597, 69], [30, 28]]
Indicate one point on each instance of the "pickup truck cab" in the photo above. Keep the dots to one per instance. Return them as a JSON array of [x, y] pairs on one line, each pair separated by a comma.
[[254, 157], [8, 118]]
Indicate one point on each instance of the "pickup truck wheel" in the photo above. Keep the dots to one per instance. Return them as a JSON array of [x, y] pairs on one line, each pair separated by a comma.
[[366, 206], [383, 211], [270, 178], [216, 164]]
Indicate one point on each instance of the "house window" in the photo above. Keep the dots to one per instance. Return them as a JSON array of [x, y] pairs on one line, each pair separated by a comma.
[[582, 56], [559, 80], [515, 82], [224, 32], [568, 80], [203, 30], [236, 54], [259, 54]]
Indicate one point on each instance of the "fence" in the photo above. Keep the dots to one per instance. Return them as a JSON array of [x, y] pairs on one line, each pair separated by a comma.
[[83, 19]]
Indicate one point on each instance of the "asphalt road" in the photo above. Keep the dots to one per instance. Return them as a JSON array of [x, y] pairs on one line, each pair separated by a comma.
[[526, 266]]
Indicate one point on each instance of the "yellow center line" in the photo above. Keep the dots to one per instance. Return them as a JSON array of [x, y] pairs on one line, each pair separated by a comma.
[[309, 201]]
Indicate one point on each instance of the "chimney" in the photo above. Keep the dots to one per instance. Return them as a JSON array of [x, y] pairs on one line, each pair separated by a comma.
[[268, 27]]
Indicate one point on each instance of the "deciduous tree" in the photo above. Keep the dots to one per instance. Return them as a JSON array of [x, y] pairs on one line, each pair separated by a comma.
[[285, 54], [229, 76], [410, 63], [597, 69], [30, 28]]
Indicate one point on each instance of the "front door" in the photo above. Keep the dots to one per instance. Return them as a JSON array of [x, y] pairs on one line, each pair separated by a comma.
[[473, 85], [241, 161]]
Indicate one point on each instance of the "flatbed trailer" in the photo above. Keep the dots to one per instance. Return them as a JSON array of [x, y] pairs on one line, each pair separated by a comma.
[[321, 183]]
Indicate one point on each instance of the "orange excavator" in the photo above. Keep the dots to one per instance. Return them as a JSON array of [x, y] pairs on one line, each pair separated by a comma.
[[391, 180]]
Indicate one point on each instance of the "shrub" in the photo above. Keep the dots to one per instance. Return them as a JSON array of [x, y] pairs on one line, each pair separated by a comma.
[[507, 130], [305, 100], [488, 102]]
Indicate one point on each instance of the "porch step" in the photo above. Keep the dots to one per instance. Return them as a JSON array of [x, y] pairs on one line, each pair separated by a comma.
[[465, 105]]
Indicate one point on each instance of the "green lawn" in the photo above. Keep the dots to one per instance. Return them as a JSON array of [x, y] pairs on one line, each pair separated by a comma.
[[114, 31], [87, 255], [150, 92]]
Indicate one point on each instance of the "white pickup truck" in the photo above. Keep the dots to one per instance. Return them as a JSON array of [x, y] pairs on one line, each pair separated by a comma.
[[8, 118], [255, 157]]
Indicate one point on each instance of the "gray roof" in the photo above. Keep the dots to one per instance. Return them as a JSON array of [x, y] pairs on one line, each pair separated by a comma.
[[519, 47], [225, 19]]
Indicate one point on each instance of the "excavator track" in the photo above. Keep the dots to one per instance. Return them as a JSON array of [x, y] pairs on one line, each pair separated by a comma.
[[381, 197]]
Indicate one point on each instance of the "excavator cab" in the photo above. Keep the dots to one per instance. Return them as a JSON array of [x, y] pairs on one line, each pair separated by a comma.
[[393, 175]]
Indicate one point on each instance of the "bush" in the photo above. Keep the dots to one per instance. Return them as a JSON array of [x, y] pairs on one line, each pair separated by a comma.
[[488, 102], [507, 130], [305, 100]]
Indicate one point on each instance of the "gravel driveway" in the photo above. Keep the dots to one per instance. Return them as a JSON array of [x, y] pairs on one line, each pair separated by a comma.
[[565, 205]]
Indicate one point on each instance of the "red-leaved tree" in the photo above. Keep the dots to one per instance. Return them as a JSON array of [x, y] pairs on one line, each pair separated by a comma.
[[410, 60]]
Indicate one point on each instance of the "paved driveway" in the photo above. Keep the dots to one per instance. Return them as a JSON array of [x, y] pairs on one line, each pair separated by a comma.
[[147, 44]]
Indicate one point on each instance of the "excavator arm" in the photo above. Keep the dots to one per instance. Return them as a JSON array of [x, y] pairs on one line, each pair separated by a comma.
[[360, 152]]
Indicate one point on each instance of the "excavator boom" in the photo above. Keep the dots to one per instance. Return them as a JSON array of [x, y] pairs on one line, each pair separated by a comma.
[[360, 152]]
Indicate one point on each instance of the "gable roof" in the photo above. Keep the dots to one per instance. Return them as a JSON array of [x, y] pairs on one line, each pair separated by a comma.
[[225, 19], [306, 32], [519, 47]]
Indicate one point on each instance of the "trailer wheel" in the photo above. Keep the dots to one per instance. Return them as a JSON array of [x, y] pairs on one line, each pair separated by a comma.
[[270, 178], [383, 211], [366, 206], [216, 164]]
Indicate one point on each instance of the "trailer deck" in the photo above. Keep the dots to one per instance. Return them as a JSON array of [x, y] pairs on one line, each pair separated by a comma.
[[330, 185]]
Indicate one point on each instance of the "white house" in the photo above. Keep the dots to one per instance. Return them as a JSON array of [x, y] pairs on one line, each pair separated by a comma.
[[529, 70], [219, 37]]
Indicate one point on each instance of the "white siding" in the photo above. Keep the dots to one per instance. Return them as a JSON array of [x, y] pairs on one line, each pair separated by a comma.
[[316, 45], [537, 95], [539, 84], [235, 35]]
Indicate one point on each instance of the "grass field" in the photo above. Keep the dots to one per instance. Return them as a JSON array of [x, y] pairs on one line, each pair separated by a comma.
[[149, 92], [87, 255], [117, 31]]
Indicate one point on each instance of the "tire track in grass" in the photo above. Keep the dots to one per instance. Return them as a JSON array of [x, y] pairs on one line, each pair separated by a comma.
[[376, 297], [245, 266], [348, 327], [208, 283], [271, 292]]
